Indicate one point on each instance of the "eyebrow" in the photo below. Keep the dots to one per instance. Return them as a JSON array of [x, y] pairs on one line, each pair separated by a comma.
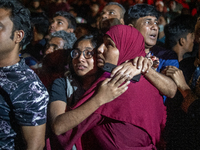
[[54, 45], [151, 19], [86, 48], [59, 20], [111, 10]]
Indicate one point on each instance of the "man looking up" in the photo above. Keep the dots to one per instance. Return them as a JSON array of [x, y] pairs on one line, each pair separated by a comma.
[[144, 18], [112, 14], [23, 98], [62, 21]]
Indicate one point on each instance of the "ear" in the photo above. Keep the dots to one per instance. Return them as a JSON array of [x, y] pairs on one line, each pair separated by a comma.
[[130, 25], [182, 41], [19, 35], [122, 21], [70, 30]]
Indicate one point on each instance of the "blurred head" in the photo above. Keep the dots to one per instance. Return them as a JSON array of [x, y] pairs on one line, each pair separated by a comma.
[[172, 5], [60, 40], [83, 56], [161, 23], [159, 6], [36, 3], [144, 18], [180, 31], [40, 24], [84, 29], [112, 14], [62, 21]]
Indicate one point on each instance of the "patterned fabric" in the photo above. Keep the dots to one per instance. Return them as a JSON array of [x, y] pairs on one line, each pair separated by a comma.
[[23, 102], [195, 81]]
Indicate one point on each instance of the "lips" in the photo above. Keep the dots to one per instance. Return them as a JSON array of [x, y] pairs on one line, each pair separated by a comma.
[[153, 36], [99, 59], [80, 67], [51, 30]]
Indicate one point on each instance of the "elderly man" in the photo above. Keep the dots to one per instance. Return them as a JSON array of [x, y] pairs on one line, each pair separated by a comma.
[[144, 18]]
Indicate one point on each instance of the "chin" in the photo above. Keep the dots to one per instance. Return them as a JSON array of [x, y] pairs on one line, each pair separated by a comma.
[[100, 65]]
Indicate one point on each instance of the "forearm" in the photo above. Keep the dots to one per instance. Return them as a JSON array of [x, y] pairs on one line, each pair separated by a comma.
[[72, 118], [164, 84], [189, 97], [34, 137]]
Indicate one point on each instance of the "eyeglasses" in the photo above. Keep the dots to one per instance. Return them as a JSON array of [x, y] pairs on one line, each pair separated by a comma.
[[86, 53]]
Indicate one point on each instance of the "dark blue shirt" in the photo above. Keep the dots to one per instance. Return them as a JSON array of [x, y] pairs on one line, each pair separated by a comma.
[[23, 102]]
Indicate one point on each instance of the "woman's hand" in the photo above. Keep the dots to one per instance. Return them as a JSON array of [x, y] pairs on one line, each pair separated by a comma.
[[132, 68], [111, 88]]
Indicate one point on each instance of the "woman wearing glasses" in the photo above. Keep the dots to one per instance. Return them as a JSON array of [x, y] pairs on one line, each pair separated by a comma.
[[66, 91]]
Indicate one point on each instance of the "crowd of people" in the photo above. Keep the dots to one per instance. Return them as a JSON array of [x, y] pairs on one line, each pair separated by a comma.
[[56, 91]]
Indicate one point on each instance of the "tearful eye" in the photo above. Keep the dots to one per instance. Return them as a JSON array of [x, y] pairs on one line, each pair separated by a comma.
[[89, 53]]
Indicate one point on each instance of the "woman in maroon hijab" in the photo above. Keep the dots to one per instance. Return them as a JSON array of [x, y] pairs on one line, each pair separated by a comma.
[[133, 120]]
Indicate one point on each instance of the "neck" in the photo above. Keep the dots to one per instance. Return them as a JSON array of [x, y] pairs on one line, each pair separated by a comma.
[[161, 34], [10, 60], [88, 81], [147, 50], [37, 37], [180, 52]]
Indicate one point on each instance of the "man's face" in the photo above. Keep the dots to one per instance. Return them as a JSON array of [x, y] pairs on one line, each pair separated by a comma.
[[58, 23], [109, 15], [189, 42], [159, 7], [149, 29], [54, 44], [6, 26]]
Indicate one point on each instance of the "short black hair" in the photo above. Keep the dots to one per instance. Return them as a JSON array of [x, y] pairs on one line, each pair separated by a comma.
[[122, 13], [139, 10], [178, 28], [20, 16], [91, 37], [69, 38], [70, 18], [41, 23]]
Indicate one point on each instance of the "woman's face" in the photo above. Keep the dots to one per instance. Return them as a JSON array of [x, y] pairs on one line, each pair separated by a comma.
[[85, 67], [107, 52]]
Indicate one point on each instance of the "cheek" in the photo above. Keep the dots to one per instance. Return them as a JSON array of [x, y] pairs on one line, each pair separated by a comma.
[[91, 63], [112, 56], [74, 62]]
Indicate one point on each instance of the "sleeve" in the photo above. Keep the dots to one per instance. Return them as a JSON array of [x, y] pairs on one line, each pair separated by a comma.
[[170, 62], [57, 91], [30, 103], [73, 136]]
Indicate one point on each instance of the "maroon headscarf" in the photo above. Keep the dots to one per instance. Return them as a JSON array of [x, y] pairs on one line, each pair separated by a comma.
[[141, 105]]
